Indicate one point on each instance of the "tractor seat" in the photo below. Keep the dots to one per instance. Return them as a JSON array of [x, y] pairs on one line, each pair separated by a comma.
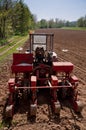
[[22, 63]]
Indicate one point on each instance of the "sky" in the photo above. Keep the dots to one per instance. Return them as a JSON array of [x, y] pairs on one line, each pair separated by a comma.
[[70, 10]]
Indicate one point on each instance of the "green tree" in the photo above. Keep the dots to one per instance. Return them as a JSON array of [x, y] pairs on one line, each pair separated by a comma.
[[67, 24], [84, 22], [5, 17], [51, 23], [22, 19], [80, 22], [43, 23], [15, 17]]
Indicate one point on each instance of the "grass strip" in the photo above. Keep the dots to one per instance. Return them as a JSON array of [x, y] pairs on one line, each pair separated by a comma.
[[75, 28], [14, 48], [15, 39]]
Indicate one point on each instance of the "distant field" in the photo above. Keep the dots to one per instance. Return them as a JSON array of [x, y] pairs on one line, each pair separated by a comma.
[[75, 28]]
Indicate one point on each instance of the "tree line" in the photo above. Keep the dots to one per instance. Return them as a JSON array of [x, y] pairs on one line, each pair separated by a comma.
[[57, 23], [15, 18], [82, 22]]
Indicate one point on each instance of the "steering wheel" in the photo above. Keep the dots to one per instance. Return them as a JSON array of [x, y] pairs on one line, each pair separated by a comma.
[[42, 71]]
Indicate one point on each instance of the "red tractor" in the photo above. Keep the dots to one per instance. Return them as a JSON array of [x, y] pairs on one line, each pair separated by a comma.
[[38, 69]]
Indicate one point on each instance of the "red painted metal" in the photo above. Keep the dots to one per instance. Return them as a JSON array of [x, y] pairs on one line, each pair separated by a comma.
[[33, 83], [11, 84], [11, 81], [62, 66], [22, 68], [22, 62], [54, 80], [73, 79], [22, 58]]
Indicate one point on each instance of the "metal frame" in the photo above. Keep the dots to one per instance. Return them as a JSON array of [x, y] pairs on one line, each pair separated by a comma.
[[49, 36]]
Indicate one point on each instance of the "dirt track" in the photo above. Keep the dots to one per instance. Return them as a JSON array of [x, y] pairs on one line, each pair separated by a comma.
[[75, 43]]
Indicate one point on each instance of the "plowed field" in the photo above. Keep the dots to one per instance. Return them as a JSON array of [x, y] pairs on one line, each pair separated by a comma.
[[69, 46]]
